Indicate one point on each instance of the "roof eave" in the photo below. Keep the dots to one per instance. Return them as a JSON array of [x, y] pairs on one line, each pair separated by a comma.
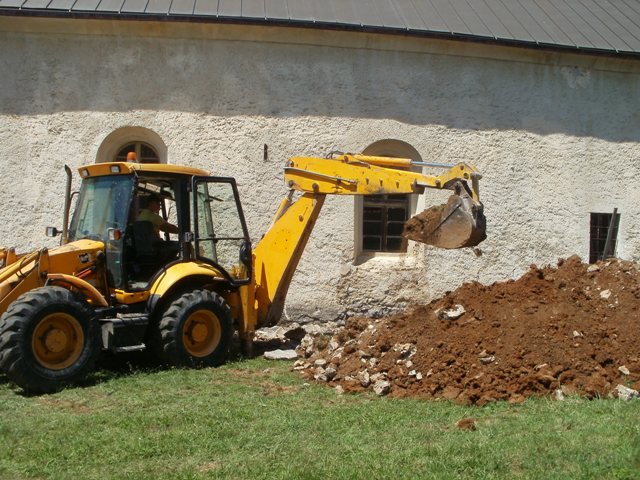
[[274, 22]]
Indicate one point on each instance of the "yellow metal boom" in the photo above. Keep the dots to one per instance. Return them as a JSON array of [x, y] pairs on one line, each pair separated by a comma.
[[277, 255]]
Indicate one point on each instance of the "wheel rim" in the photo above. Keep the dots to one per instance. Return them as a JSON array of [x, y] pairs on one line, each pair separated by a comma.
[[57, 341], [201, 333]]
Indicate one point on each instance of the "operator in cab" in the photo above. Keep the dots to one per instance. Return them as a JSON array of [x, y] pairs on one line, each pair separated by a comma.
[[151, 213]]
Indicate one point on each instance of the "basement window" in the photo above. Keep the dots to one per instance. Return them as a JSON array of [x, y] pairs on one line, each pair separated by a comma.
[[599, 231], [383, 218], [145, 153]]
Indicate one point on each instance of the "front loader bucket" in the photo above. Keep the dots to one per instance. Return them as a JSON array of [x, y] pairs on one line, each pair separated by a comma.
[[458, 223]]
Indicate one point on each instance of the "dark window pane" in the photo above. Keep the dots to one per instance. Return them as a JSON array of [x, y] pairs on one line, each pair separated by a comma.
[[148, 154], [395, 229], [122, 154], [373, 212], [394, 244], [383, 222], [371, 244], [372, 228], [397, 214]]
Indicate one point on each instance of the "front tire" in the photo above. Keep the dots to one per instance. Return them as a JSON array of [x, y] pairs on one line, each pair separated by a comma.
[[48, 339], [195, 330]]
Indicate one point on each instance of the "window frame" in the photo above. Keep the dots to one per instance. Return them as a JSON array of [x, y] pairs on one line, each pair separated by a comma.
[[385, 203], [599, 224], [121, 137], [138, 146]]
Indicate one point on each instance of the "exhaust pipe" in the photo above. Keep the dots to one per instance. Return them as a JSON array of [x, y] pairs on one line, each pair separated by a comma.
[[67, 206]]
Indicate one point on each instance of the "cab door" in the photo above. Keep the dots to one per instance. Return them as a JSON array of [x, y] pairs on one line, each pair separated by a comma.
[[221, 238]]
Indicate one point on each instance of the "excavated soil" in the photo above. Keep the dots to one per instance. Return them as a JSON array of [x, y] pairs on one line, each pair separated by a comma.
[[574, 329], [423, 225]]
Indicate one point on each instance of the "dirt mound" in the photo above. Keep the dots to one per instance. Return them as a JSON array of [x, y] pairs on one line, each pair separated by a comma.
[[574, 329]]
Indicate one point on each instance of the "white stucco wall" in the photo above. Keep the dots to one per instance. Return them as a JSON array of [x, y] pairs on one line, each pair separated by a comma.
[[555, 137]]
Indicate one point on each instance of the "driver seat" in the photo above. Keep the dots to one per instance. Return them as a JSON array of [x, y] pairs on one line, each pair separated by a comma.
[[144, 256]]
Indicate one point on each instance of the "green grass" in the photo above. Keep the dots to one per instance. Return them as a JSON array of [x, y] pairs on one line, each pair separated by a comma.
[[255, 419]]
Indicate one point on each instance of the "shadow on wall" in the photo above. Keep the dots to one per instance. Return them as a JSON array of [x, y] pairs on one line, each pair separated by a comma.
[[45, 75]]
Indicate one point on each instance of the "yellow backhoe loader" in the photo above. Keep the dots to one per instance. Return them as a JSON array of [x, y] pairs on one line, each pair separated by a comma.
[[117, 283]]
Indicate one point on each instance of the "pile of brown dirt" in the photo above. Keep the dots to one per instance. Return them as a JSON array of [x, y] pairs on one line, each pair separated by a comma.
[[573, 329]]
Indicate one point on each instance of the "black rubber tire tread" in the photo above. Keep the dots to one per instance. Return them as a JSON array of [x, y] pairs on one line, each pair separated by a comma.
[[16, 327], [169, 346]]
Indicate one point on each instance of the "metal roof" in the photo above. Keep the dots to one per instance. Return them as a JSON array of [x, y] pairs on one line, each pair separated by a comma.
[[609, 27]]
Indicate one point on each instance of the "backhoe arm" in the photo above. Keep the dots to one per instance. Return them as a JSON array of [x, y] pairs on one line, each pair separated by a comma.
[[368, 175], [457, 224]]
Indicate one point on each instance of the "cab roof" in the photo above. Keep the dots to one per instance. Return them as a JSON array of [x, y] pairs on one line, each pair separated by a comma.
[[126, 168]]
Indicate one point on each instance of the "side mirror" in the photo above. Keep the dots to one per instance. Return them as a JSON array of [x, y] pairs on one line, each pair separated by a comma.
[[52, 232], [114, 234], [245, 253]]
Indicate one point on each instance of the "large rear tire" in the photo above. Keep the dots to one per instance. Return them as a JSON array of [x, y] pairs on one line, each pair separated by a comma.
[[48, 340], [195, 330]]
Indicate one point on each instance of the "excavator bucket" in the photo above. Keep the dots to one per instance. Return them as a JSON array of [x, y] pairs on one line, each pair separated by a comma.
[[458, 223]]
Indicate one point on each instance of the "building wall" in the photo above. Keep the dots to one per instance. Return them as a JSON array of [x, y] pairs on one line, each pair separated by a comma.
[[555, 137]]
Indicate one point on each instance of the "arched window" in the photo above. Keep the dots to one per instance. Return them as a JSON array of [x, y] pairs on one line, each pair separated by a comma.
[[380, 218], [145, 153], [147, 145]]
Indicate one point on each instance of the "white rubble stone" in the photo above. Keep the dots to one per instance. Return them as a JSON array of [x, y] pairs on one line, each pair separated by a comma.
[[330, 373], [378, 376], [558, 394], [307, 344], [321, 362], [412, 373], [280, 355], [409, 364], [453, 313], [593, 268], [270, 333], [339, 390], [406, 350], [364, 378], [626, 393], [333, 345], [418, 376], [381, 387], [301, 365], [488, 360], [324, 375], [624, 370], [577, 334], [605, 294]]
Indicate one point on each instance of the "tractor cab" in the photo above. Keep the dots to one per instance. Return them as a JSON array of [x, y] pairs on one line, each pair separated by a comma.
[[151, 217]]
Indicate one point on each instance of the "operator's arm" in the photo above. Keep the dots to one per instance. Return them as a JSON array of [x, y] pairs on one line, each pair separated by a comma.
[[168, 227], [158, 222]]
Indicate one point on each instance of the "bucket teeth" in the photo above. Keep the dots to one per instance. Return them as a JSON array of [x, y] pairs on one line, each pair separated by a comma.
[[457, 224]]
